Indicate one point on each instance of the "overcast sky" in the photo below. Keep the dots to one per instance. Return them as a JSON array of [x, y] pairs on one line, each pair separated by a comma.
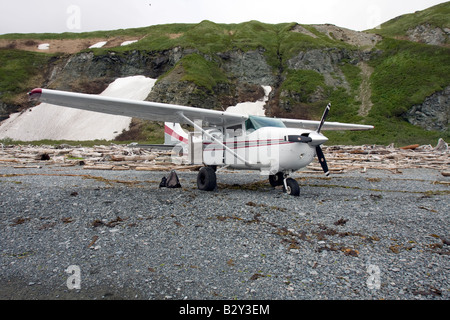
[[38, 16]]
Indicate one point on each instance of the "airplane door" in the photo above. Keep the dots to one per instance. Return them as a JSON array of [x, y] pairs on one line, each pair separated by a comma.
[[235, 140], [213, 151]]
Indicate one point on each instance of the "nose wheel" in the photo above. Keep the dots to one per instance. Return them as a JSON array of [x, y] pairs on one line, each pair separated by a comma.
[[291, 187]]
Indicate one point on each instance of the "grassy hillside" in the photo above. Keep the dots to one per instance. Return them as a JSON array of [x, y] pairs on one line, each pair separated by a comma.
[[404, 72], [202, 72], [20, 71], [437, 16], [404, 75]]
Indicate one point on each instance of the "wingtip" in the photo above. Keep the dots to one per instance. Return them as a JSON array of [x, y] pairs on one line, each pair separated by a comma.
[[35, 93]]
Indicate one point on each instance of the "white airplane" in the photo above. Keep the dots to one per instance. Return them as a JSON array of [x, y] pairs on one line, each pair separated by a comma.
[[275, 147]]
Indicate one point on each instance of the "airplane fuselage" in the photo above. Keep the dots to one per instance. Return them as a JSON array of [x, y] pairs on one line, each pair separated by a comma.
[[266, 149]]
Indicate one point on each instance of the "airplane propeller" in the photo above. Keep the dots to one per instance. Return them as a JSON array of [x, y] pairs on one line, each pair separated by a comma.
[[319, 151]]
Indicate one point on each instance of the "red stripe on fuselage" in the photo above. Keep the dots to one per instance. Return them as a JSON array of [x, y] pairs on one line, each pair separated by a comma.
[[255, 144], [175, 135]]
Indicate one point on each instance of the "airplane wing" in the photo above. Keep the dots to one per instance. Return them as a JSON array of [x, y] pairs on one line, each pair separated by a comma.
[[327, 126], [134, 108], [164, 112]]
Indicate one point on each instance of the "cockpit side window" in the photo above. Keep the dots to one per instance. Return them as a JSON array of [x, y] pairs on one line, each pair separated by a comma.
[[255, 123], [234, 131]]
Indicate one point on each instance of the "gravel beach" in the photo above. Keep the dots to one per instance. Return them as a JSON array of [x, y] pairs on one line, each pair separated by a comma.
[[353, 236]]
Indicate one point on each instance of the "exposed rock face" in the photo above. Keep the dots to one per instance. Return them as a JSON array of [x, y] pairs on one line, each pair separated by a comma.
[[172, 90], [298, 28], [322, 61], [247, 71], [434, 113], [325, 62], [108, 67], [88, 73], [6, 110], [248, 67], [355, 38], [428, 34]]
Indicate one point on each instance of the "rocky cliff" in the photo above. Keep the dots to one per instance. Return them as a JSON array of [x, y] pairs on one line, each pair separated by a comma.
[[433, 113]]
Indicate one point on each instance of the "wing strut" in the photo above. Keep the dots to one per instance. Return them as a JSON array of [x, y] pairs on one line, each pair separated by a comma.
[[192, 123]]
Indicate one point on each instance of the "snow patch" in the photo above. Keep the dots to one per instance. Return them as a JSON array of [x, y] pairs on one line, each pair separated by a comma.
[[98, 44], [252, 108], [44, 46], [126, 43], [47, 121]]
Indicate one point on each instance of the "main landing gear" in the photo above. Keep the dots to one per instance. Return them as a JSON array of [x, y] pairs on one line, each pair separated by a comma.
[[207, 181], [290, 186]]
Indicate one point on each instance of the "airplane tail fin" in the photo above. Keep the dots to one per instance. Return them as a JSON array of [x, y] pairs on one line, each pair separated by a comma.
[[174, 134]]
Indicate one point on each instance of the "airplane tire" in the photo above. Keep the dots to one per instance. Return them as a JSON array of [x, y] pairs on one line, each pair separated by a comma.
[[293, 188], [276, 180], [206, 179]]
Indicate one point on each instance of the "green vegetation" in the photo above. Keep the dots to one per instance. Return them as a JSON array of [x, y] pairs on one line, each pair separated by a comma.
[[344, 107], [303, 82], [396, 131], [291, 43], [18, 72], [405, 74], [437, 16], [143, 131], [352, 74], [203, 73]]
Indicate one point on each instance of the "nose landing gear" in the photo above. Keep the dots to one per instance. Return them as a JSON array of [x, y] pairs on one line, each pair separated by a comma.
[[291, 187]]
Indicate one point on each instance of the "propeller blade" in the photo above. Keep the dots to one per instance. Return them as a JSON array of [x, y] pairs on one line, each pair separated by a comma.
[[324, 116], [322, 160]]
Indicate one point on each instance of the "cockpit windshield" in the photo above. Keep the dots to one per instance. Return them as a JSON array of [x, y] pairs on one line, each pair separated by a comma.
[[255, 123]]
